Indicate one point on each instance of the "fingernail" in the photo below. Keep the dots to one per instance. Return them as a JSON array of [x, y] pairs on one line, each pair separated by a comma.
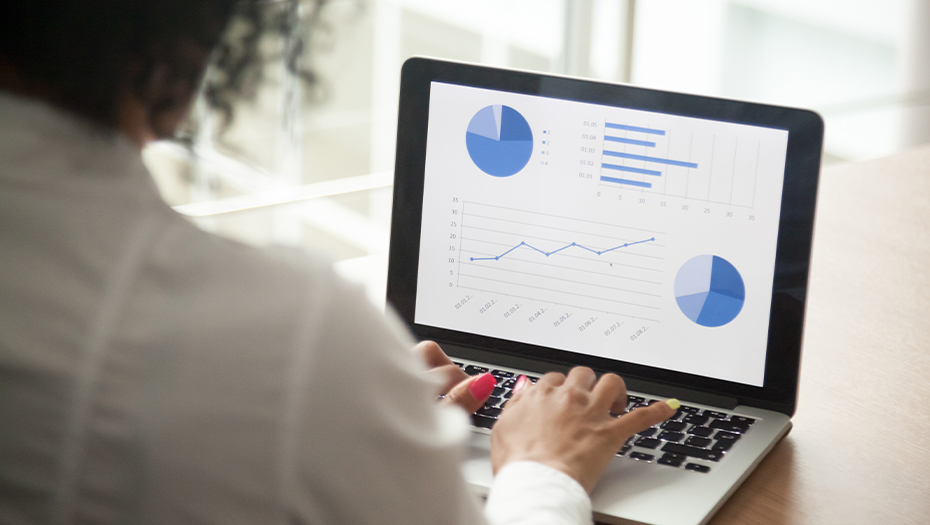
[[481, 387], [521, 382], [673, 403]]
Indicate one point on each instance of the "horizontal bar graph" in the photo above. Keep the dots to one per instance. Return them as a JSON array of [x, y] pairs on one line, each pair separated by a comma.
[[634, 142], [637, 129], [631, 169], [628, 182], [645, 158], [646, 142]]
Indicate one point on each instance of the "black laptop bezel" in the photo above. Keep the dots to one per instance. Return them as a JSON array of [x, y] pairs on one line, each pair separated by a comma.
[[793, 253]]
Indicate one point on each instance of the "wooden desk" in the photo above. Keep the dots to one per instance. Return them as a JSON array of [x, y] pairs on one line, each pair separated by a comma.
[[860, 448]]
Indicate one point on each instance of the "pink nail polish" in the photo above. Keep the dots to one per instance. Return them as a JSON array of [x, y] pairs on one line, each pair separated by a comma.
[[482, 387], [521, 382]]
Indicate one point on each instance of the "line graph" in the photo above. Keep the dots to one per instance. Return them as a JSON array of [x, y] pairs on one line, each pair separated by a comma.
[[574, 244], [561, 260]]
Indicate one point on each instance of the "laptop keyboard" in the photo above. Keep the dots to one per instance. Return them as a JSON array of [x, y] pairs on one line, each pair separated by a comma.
[[693, 439]]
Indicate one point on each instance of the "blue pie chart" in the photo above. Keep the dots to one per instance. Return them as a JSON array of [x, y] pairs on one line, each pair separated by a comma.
[[499, 140], [709, 290]]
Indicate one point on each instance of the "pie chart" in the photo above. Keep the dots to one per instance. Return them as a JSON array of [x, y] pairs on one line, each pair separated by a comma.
[[499, 140], [709, 290]]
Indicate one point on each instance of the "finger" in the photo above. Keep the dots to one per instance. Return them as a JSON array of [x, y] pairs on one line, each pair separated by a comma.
[[432, 354], [472, 393], [447, 377], [645, 417], [610, 394], [582, 377], [552, 379], [522, 385]]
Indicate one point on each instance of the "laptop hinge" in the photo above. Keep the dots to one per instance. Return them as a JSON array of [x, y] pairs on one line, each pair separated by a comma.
[[632, 383]]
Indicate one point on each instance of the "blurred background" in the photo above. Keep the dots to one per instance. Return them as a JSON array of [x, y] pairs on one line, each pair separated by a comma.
[[318, 175]]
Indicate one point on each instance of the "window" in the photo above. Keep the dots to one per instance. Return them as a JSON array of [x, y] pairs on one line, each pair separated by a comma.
[[319, 175]]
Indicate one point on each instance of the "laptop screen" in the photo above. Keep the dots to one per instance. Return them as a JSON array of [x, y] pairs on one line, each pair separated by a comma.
[[617, 233]]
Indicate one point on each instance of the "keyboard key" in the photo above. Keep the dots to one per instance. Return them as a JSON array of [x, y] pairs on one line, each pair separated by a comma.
[[695, 419], [508, 394], [715, 415], [634, 399], [741, 419], [726, 436], [460, 365], [533, 379], [701, 431], [723, 446], [694, 452], [671, 436], [474, 370], [672, 460], [697, 468], [509, 383], [489, 412], [642, 457], [481, 421], [729, 426], [498, 391], [624, 450], [689, 409], [647, 443], [649, 432], [675, 426], [492, 401], [697, 441], [501, 373]]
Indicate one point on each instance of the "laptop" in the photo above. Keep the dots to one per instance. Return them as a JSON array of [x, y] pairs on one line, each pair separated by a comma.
[[542, 222]]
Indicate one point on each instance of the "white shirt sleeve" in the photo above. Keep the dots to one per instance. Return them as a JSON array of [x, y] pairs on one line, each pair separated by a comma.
[[375, 447], [526, 492]]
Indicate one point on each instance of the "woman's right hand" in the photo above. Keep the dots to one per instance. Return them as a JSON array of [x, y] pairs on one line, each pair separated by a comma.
[[565, 423]]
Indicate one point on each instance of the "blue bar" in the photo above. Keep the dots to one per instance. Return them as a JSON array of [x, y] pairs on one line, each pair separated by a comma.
[[657, 160], [632, 170], [631, 141], [627, 181], [635, 128]]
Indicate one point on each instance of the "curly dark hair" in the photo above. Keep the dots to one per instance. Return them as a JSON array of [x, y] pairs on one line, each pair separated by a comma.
[[80, 54]]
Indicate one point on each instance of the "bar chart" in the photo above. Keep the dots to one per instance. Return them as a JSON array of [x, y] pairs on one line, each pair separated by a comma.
[[706, 168]]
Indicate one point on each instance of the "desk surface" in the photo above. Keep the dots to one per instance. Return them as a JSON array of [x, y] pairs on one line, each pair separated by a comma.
[[860, 448]]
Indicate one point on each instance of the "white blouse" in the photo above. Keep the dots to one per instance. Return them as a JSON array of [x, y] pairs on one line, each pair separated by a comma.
[[152, 373]]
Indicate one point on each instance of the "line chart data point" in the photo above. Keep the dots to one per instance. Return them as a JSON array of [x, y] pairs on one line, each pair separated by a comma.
[[471, 258]]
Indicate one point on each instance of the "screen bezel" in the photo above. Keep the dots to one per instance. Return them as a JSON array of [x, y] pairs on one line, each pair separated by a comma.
[[793, 252]]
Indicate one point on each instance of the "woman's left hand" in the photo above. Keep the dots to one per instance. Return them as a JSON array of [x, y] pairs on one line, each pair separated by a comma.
[[468, 392]]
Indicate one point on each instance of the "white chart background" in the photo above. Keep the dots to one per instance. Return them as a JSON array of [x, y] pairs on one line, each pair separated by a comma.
[[619, 304]]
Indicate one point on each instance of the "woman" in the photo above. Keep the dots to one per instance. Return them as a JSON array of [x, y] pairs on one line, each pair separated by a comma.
[[153, 373]]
